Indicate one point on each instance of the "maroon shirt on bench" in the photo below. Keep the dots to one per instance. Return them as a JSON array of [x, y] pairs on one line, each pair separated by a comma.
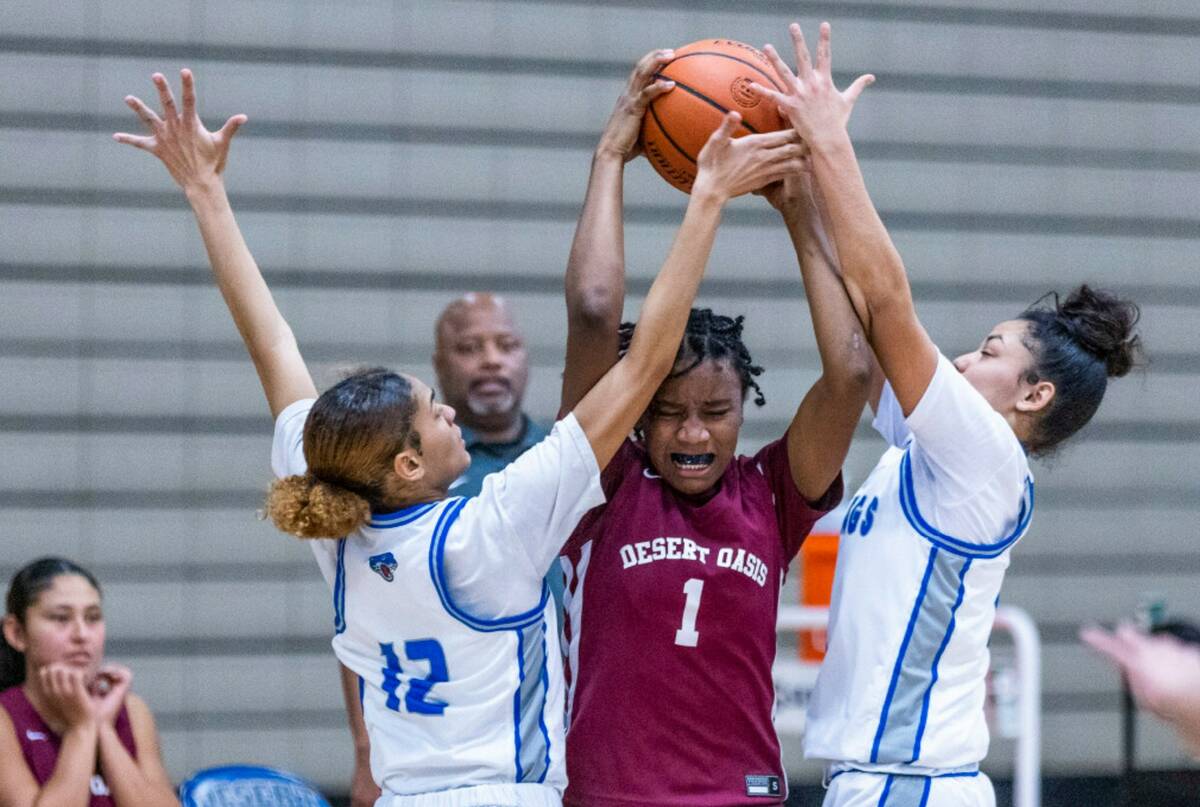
[[40, 745], [671, 607]]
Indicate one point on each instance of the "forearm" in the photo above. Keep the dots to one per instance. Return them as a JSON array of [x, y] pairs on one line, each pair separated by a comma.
[[129, 785], [595, 281], [613, 405], [868, 259], [354, 715], [846, 358], [667, 305], [267, 336], [70, 785]]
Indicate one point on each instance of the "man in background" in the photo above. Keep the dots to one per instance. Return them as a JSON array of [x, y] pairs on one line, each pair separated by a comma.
[[482, 369]]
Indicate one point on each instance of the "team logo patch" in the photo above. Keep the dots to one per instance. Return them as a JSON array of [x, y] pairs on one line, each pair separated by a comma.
[[762, 785], [384, 565]]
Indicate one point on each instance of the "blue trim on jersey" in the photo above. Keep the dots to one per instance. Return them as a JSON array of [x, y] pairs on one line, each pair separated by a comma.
[[912, 621], [405, 515], [887, 788], [517, 703], [339, 590], [962, 590], [362, 691], [957, 546], [437, 571], [545, 701], [925, 793]]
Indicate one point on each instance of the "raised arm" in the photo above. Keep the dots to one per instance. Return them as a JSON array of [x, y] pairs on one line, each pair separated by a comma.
[[196, 157], [820, 433], [727, 168], [595, 281], [870, 264]]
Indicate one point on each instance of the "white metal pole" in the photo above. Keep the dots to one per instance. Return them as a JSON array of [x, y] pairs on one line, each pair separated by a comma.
[[1027, 770]]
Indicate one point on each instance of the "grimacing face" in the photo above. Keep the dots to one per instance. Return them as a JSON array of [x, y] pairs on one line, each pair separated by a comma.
[[481, 363], [63, 625], [691, 428]]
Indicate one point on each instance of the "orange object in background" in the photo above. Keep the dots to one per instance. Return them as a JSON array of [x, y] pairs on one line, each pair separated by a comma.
[[818, 558]]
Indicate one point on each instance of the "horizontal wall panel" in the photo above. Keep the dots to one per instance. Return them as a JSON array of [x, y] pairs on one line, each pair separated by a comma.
[[223, 609], [169, 463], [402, 251], [368, 317], [434, 172], [1083, 599], [189, 541], [600, 36], [415, 96], [103, 391]]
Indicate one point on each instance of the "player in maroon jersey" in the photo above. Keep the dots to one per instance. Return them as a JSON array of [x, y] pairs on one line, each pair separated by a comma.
[[673, 585], [71, 732]]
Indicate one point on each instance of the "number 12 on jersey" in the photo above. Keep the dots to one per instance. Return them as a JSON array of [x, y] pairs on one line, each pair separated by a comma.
[[416, 699], [687, 636]]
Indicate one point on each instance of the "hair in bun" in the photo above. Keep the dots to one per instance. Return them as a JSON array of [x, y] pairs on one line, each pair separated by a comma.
[[1078, 343]]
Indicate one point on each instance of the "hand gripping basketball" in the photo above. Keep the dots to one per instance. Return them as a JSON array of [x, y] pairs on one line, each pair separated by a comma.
[[729, 166]]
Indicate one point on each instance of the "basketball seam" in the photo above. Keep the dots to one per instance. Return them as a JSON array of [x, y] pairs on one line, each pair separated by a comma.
[[751, 65], [667, 135], [694, 92]]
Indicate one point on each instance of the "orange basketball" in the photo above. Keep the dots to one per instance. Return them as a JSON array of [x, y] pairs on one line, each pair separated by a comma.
[[711, 78]]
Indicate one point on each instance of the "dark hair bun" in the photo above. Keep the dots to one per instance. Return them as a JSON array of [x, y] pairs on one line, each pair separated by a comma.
[[1103, 324]]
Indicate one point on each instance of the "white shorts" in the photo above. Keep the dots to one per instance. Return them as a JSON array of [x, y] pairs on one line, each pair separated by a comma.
[[860, 789], [516, 795]]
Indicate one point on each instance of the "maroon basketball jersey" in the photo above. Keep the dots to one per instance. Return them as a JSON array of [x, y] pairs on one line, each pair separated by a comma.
[[671, 608], [40, 745]]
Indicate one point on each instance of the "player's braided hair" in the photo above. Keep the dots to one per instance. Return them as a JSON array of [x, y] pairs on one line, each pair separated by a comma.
[[352, 435], [27, 585], [714, 337]]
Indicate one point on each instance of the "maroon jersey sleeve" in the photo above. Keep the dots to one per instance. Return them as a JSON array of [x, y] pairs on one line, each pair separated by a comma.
[[796, 515], [627, 460]]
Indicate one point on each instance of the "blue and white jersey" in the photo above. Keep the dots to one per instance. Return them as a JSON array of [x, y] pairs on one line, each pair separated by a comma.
[[441, 610], [923, 551]]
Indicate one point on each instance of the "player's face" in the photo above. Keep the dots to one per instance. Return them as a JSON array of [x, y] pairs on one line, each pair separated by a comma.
[[482, 365], [998, 368], [442, 448], [692, 426], [65, 625]]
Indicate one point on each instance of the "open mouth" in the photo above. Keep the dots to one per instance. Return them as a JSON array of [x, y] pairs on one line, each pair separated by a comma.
[[693, 463]]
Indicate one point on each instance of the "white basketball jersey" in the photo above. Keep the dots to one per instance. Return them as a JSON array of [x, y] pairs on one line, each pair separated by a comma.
[[440, 610], [923, 551]]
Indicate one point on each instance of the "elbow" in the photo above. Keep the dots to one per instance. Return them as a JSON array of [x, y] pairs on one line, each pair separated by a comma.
[[855, 371], [596, 308]]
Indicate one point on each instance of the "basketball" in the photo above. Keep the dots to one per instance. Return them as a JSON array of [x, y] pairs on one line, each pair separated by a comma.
[[712, 77]]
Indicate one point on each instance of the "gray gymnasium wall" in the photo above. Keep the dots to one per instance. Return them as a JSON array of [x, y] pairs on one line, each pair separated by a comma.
[[398, 153]]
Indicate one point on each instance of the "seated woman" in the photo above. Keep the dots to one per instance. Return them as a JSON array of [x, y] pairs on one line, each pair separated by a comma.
[[71, 732]]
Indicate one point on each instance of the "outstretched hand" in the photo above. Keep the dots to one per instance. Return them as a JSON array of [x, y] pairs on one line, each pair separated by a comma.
[[621, 133], [729, 166], [1163, 672], [194, 155], [810, 101]]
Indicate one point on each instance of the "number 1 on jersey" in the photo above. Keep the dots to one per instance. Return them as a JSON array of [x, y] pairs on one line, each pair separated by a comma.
[[687, 636]]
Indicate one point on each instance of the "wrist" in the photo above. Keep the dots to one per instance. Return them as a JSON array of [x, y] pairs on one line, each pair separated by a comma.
[[704, 195], [203, 190], [88, 727], [608, 154], [830, 142]]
